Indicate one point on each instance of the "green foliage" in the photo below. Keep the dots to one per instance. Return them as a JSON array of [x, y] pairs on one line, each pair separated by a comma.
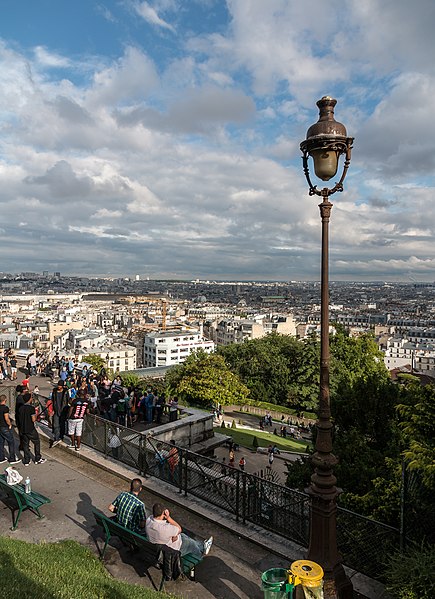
[[417, 421], [255, 442], [143, 383], [272, 366], [205, 379], [62, 570], [367, 439], [132, 380], [282, 370], [95, 361], [299, 473], [355, 359], [405, 378], [382, 500], [233, 424], [411, 575]]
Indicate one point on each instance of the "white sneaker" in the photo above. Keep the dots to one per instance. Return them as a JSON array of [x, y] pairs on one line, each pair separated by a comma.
[[207, 545]]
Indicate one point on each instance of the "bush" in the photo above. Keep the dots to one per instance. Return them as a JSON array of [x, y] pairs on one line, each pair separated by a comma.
[[233, 424], [411, 574], [223, 424], [255, 442]]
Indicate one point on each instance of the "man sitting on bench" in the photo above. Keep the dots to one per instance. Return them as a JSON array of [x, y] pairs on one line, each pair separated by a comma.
[[129, 510], [163, 530]]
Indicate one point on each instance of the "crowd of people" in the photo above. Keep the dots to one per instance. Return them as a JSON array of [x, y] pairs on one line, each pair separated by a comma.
[[78, 391], [110, 399]]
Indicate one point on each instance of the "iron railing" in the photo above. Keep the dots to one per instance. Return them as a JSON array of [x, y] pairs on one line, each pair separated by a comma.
[[249, 497]]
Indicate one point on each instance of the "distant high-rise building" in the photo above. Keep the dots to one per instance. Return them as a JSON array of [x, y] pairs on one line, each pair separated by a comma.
[[57, 275], [137, 278], [45, 273]]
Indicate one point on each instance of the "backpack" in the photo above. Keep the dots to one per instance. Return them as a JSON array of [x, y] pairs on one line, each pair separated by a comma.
[[121, 405]]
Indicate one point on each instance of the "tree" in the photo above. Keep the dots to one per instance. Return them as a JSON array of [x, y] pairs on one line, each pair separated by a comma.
[[205, 379], [95, 361], [134, 381], [367, 439], [417, 421], [276, 368]]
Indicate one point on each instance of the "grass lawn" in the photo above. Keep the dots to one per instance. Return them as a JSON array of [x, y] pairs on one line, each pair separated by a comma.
[[272, 407], [63, 570], [245, 437]]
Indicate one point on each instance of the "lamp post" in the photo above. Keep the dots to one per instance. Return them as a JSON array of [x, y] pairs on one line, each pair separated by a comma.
[[325, 142]]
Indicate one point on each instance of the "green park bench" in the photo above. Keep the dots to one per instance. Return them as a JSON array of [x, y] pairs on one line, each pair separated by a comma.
[[139, 541], [18, 499]]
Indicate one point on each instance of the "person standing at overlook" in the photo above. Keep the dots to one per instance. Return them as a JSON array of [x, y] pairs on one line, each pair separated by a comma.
[[60, 398]]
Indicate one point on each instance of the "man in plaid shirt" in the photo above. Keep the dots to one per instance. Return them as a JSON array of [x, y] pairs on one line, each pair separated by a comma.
[[129, 509]]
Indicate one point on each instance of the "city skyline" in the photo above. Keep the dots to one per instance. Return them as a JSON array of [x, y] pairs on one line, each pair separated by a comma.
[[162, 138]]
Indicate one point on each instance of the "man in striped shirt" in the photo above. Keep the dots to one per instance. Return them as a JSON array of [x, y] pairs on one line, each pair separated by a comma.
[[129, 509], [78, 409]]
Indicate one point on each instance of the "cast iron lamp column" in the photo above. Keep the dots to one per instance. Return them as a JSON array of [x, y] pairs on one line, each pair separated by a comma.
[[326, 141]]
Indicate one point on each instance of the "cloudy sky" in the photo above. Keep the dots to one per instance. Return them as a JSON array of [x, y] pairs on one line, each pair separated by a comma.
[[161, 137]]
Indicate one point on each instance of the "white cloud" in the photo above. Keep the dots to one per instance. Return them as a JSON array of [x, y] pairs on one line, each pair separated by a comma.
[[149, 14], [45, 58], [185, 159], [129, 79]]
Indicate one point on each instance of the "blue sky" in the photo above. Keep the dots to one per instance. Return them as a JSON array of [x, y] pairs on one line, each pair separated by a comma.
[[162, 137]]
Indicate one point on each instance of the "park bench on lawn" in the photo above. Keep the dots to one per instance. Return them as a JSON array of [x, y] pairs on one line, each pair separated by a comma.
[[139, 541], [18, 499]]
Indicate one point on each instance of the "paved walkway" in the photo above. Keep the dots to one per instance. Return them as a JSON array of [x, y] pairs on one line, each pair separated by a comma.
[[76, 487]]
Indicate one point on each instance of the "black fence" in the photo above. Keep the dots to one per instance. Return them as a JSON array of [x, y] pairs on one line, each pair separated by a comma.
[[364, 543], [250, 498]]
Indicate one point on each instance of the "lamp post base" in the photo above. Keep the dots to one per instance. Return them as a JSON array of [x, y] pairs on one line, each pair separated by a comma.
[[337, 585]]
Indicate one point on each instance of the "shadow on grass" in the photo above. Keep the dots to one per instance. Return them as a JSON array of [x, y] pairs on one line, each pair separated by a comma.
[[16, 584]]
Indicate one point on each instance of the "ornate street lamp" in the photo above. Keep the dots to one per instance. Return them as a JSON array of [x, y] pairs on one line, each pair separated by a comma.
[[326, 141]]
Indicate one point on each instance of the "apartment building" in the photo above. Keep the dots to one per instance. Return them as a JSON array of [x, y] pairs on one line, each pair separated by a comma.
[[172, 347], [237, 330], [119, 357], [401, 351]]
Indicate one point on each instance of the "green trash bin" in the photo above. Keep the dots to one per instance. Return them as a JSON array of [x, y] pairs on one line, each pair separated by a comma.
[[275, 584]]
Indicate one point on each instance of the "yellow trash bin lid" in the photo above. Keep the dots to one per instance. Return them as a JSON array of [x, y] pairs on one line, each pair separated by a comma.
[[309, 573]]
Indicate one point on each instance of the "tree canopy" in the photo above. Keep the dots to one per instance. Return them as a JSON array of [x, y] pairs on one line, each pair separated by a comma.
[[278, 369], [417, 422], [95, 361], [205, 379]]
